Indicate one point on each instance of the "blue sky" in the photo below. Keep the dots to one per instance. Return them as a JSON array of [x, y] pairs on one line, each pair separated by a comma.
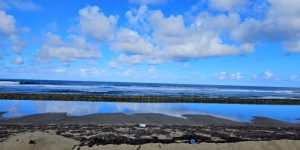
[[235, 42]]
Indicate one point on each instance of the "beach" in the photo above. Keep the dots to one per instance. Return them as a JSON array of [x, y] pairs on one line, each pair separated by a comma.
[[121, 131], [149, 75], [46, 141]]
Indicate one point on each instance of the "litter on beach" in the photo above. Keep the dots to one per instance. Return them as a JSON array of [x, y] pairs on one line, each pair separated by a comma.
[[142, 125]]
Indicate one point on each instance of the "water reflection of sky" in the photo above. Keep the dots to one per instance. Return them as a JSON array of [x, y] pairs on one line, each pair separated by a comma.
[[232, 111]]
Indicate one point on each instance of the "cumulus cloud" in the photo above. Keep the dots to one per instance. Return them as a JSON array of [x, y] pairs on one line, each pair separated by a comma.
[[295, 78], [293, 46], [169, 38], [113, 64], [222, 75], [17, 44], [7, 24], [76, 47], [232, 76], [180, 42], [9, 31], [129, 41], [18, 60], [96, 24], [268, 75], [138, 17], [147, 1], [281, 24], [132, 59], [225, 5], [19, 4], [237, 76]]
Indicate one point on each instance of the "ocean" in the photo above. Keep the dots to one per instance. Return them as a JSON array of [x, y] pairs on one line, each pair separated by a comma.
[[241, 112], [146, 89]]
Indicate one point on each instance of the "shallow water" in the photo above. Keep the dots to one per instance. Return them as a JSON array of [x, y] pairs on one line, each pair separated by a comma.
[[239, 112]]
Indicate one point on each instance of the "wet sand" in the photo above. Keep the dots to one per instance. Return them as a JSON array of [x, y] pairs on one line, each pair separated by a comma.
[[144, 118]]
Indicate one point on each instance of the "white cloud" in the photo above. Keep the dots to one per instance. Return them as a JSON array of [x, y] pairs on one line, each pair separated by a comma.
[[222, 75], [268, 75], [18, 60], [129, 41], [138, 17], [113, 64], [19, 4], [60, 70], [9, 31], [147, 1], [7, 24], [295, 78], [170, 38], [293, 46], [96, 24], [281, 24], [17, 44], [178, 41], [132, 59], [230, 76], [126, 73], [237, 76], [225, 5], [76, 48]]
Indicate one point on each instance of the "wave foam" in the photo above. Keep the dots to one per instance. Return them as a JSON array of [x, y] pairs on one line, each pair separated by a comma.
[[6, 83]]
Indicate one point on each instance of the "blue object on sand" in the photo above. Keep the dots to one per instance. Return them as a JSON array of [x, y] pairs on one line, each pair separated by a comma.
[[192, 141]]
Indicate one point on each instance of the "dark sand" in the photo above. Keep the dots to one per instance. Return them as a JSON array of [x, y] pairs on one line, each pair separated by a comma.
[[145, 118], [108, 131]]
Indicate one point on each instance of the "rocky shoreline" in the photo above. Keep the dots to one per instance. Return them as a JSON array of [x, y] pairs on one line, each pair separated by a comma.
[[147, 99], [94, 135]]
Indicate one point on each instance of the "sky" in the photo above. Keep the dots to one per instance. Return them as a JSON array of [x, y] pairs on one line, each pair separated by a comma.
[[228, 42]]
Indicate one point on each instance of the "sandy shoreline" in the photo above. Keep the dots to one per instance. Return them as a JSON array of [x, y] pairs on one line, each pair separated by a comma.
[[120, 131], [46, 141], [99, 129]]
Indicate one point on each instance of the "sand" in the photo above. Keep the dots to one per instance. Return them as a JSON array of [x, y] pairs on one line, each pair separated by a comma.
[[46, 141], [37, 141], [146, 118], [262, 145]]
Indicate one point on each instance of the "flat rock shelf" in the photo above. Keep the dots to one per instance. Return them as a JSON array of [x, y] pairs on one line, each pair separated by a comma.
[[148, 99]]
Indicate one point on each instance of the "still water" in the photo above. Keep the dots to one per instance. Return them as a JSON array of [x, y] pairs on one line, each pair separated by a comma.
[[239, 112]]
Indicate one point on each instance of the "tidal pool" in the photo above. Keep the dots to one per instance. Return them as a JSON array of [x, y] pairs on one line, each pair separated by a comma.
[[239, 112]]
